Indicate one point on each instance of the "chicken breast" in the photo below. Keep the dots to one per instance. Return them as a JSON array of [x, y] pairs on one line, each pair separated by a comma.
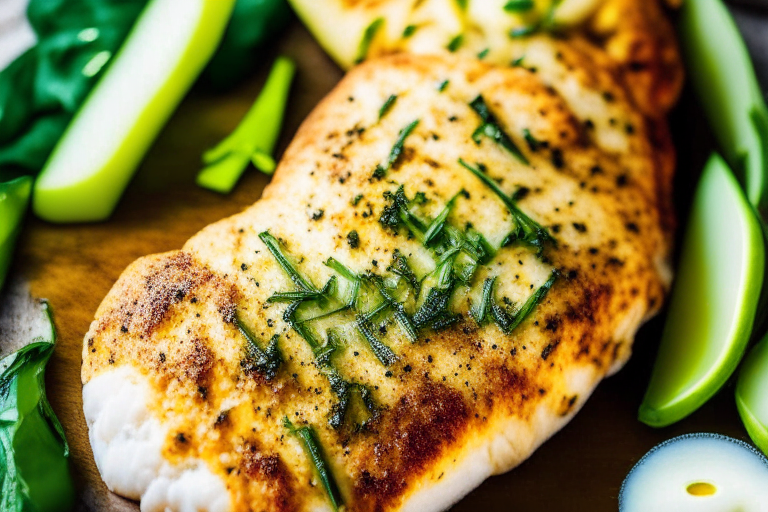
[[449, 259]]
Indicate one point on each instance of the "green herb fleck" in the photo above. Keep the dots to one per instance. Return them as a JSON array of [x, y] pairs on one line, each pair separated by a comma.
[[491, 129], [533, 143], [442, 86], [285, 263], [523, 31], [387, 106], [266, 362], [396, 151], [382, 352], [518, 5], [353, 239], [518, 62], [527, 231], [455, 43], [409, 31], [507, 321], [365, 42], [314, 451], [483, 54], [357, 199]]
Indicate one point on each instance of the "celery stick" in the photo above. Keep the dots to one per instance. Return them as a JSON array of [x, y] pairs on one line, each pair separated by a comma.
[[255, 137], [97, 155]]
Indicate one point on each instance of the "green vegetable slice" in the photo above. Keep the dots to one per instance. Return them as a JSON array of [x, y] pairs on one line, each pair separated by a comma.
[[93, 162], [724, 78], [14, 196], [254, 139], [34, 471], [713, 301], [752, 394]]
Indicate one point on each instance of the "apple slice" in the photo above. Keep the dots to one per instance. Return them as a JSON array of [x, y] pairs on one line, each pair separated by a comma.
[[752, 394], [697, 473], [158, 62], [713, 301]]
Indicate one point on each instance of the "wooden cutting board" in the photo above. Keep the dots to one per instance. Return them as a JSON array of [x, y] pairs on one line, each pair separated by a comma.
[[580, 469]]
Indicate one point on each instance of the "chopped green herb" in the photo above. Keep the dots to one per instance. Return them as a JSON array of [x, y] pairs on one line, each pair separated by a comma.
[[353, 239], [387, 105], [382, 352], [523, 31], [533, 143], [491, 129], [438, 223], [396, 151], [508, 322], [481, 312], [409, 31], [518, 5], [399, 311], [518, 62], [267, 361], [527, 231], [314, 451], [462, 4], [400, 267], [274, 247], [442, 86], [365, 42], [483, 54], [455, 43], [357, 199]]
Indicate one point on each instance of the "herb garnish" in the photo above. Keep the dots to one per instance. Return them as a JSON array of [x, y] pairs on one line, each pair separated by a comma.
[[518, 5], [533, 143], [527, 230], [490, 128], [353, 239], [483, 54], [308, 438], [443, 85], [365, 42], [265, 361], [396, 151], [409, 31], [508, 321], [388, 104], [455, 43]]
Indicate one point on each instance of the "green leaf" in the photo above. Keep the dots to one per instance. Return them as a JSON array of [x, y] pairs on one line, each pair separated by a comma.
[[254, 138], [34, 471], [387, 105], [519, 5]]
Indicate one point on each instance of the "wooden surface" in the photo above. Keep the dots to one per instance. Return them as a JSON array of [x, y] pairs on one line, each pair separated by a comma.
[[580, 469]]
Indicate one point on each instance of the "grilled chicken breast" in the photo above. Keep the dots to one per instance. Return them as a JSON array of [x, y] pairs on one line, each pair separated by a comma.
[[449, 259]]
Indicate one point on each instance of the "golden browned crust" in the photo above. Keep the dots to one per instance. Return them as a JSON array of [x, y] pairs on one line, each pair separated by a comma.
[[456, 390]]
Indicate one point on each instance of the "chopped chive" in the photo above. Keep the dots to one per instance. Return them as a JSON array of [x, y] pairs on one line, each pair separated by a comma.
[[443, 85], [533, 143], [356, 199], [274, 247], [462, 4], [388, 104], [298, 295], [509, 322], [265, 361], [518, 5], [400, 267], [483, 54], [481, 312], [524, 31], [409, 31], [490, 128], [397, 149], [365, 42], [518, 62], [350, 276], [527, 230], [314, 451], [382, 352], [455, 43], [437, 225], [399, 311]]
